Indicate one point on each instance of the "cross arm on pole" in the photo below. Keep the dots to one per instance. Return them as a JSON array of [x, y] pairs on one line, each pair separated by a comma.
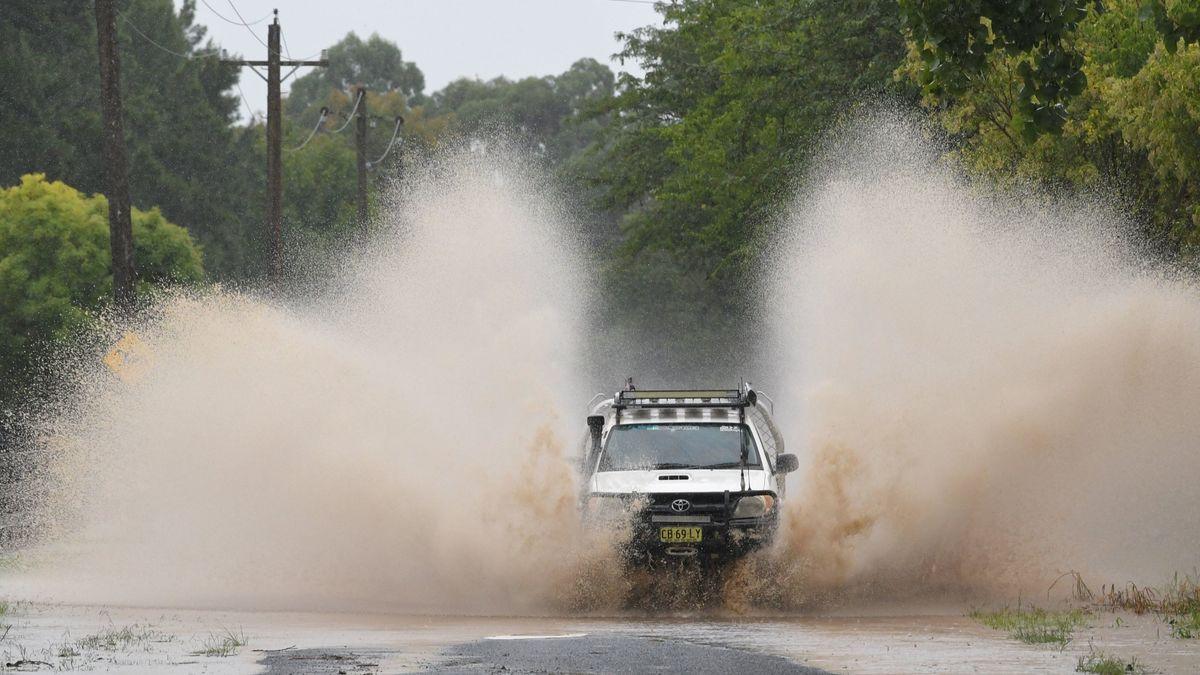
[[322, 63]]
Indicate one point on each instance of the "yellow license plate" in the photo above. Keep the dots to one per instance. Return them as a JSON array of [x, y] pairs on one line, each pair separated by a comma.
[[680, 535]]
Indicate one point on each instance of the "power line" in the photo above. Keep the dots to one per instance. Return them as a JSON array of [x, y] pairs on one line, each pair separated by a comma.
[[168, 50], [228, 20], [352, 111], [147, 38], [395, 134], [320, 121], [246, 25], [249, 109], [289, 53]]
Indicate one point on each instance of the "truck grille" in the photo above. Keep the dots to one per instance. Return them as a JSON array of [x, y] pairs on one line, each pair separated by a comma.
[[710, 504]]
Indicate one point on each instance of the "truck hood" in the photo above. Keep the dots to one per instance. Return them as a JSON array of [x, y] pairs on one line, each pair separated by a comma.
[[698, 480]]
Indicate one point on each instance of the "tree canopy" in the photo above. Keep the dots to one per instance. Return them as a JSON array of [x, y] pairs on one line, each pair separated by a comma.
[[1132, 127], [687, 167], [55, 267], [375, 63], [179, 114], [700, 151]]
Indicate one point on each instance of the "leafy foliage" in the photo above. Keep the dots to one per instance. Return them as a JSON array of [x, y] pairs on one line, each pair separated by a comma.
[[55, 267], [547, 113], [955, 40], [1131, 128], [375, 63], [178, 115], [700, 152]]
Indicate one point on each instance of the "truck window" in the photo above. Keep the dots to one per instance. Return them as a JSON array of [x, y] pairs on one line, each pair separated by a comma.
[[678, 446]]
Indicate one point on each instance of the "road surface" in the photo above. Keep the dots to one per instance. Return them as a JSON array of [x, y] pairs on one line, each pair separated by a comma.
[[904, 640]]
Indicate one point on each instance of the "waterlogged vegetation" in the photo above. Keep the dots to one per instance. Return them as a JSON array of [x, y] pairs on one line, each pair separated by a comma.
[[1104, 664], [1178, 603], [120, 639], [115, 645], [225, 643], [105, 646], [1033, 625]]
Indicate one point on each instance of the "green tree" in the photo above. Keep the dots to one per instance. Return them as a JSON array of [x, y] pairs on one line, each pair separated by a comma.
[[1134, 126], [702, 149], [55, 267], [376, 63], [185, 156], [956, 42], [548, 114], [700, 153], [955, 38]]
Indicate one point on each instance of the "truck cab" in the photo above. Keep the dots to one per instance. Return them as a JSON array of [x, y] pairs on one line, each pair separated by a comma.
[[693, 473]]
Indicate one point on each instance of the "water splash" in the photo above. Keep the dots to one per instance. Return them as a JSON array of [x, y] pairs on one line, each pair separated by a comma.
[[987, 389], [396, 444]]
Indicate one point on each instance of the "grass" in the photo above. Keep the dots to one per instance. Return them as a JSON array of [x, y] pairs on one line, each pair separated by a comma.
[[4, 627], [1185, 626], [223, 644], [1033, 625], [118, 639], [1178, 602], [1102, 664]]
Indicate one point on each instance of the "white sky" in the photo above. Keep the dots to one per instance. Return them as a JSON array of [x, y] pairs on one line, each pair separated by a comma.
[[447, 39]]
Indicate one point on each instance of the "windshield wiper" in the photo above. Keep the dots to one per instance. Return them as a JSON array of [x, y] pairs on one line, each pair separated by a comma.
[[725, 465], [672, 465]]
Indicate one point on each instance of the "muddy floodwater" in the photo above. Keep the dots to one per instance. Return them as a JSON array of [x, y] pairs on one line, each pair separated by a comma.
[[83, 638], [987, 393]]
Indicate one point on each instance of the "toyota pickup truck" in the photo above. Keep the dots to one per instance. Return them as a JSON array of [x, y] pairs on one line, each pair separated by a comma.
[[696, 474]]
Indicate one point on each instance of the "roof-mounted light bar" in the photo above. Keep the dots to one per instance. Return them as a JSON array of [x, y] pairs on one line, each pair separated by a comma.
[[685, 398]]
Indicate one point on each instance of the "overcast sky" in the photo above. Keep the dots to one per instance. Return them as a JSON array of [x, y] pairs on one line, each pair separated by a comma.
[[447, 39]]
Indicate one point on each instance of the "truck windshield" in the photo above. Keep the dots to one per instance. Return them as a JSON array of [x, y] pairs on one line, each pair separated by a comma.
[[678, 446]]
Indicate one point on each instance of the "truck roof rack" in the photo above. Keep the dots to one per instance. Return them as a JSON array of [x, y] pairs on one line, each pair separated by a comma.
[[685, 398]]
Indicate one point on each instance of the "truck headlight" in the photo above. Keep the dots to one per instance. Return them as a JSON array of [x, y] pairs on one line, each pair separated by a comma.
[[754, 506], [607, 508], [603, 504]]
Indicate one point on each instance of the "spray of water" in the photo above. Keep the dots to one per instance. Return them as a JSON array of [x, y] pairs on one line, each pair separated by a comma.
[[986, 390], [397, 444]]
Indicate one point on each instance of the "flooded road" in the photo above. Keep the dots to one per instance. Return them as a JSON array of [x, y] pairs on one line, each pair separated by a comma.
[[145, 640], [982, 393]]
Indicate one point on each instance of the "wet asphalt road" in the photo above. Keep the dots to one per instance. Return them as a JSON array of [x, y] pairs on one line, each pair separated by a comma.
[[606, 653]]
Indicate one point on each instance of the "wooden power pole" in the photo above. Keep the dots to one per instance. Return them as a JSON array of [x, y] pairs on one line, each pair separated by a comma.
[[360, 144], [116, 170], [274, 150], [273, 64]]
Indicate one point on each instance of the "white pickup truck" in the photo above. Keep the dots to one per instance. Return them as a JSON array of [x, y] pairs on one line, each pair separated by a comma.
[[698, 473]]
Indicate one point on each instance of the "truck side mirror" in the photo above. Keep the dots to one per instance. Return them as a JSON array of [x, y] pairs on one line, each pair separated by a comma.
[[595, 428], [786, 463], [595, 425]]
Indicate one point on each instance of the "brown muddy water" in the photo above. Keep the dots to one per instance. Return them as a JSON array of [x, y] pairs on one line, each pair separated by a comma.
[[876, 641], [986, 390]]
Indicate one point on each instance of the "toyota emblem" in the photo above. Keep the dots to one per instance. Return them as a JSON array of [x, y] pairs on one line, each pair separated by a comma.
[[680, 505]]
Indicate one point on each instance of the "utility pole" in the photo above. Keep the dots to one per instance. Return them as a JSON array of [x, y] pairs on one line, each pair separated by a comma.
[[360, 143], [116, 176], [274, 150], [273, 64]]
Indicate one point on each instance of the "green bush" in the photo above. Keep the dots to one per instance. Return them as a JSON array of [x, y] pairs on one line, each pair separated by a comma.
[[55, 266]]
